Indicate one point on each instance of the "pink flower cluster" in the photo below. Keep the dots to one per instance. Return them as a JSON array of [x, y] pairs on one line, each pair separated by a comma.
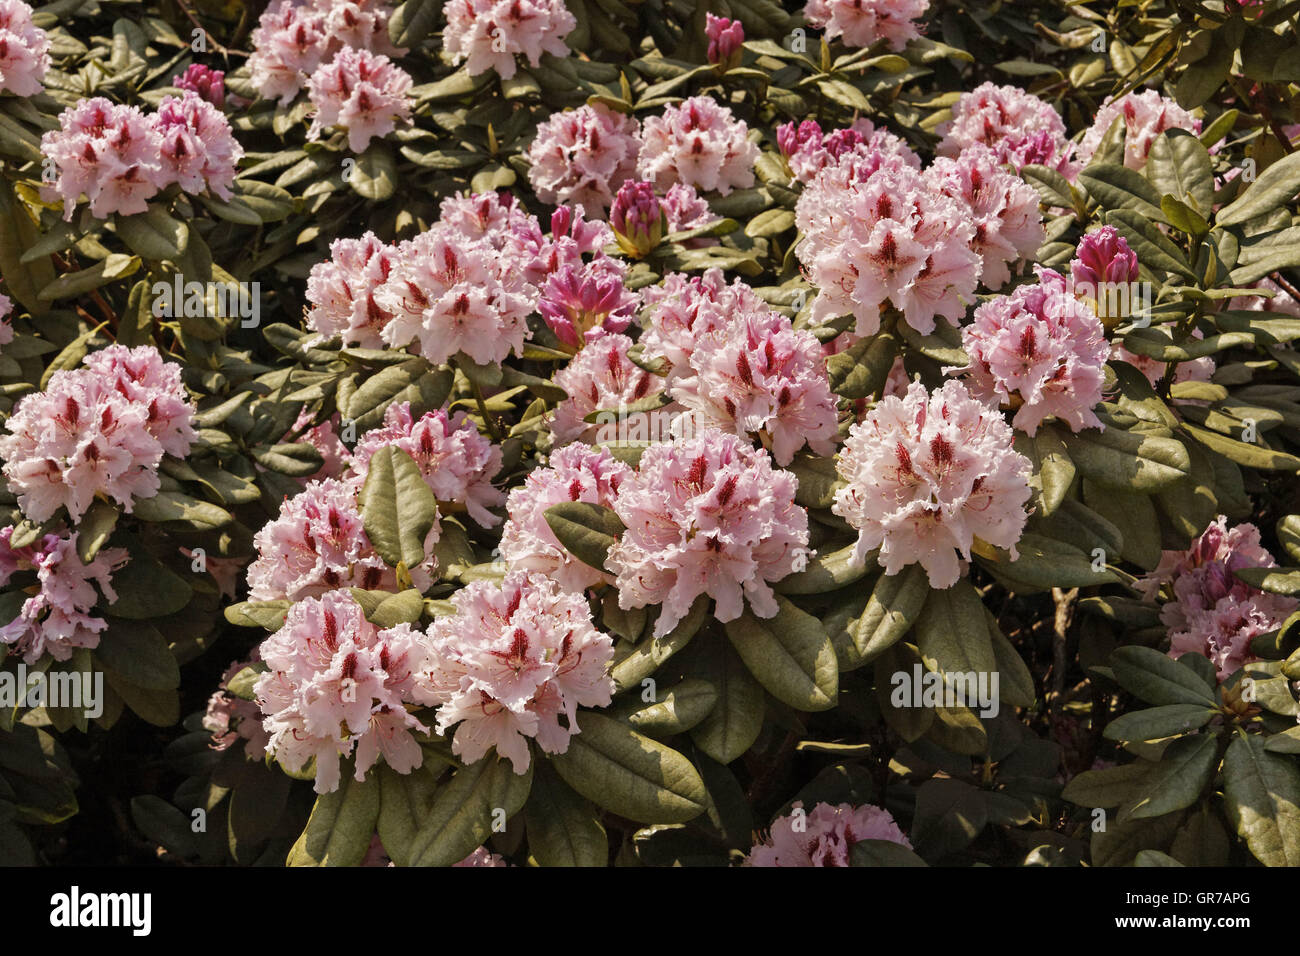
[[580, 302], [363, 92], [231, 719], [488, 34], [600, 377], [725, 39], [511, 660], [807, 150], [756, 374], [120, 157], [683, 309], [928, 473], [56, 617], [700, 143], [706, 515], [208, 83], [335, 457], [583, 156], [825, 836], [24, 50], [338, 684], [318, 543], [342, 290], [861, 23], [98, 430], [1040, 350], [1019, 127], [1212, 613], [295, 37], [457, 463], [1146, 115], [574, 473]]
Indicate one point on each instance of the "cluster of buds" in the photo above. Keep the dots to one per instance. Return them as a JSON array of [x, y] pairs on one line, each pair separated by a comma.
[[725, 39], [638, 218]]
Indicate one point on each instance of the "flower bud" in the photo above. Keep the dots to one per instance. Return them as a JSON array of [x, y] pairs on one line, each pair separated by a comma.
[[637, 218], [725, 37]]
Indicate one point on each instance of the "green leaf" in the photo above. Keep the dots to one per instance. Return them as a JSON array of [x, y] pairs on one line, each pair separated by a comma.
[[736, 720], [896, 602], [139, 654], [1015, 683], [341, 825], [460, 818], [1118, 187], [397, 508], [790, 654], [1179, 166], [264, 614], [296, 459], [374, 176], [1157, 722], [1249, 454], [826, 572], [1053, 188], [147, 589], [172, 506], [883, 853], [1128, 461], [1154, 249], [113, 267], [404, 800], [563, 828], [1276, 186], [1261, 792], [95, 527], [1273, 580], [646, 656], [587, 531], [673, 711], [412, 22], [636, 777], [1045, 563], [1109, 787], [1053, 471], [952, 634], [19, 232], [1157, 679], [862, 369], [153, 234], [1154, 858], [164, 824]]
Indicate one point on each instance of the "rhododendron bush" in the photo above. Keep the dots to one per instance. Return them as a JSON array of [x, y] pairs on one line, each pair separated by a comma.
[[584, 432]]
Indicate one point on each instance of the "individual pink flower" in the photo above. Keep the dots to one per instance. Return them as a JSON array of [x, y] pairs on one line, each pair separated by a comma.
[[583, 156], [24, 50], [488, 34], [706, 515], [451, 294], [1002, 207], [317, 544], [335, 457], [1146, 115], [231, 719], [758, 375], [109, 153], [725, 39], [602, 378], [684, 308], [861, 23], [574, 473], [580, 303], [56, 618], [698, 142], [1280, 301], [638, 218], [1212, 612], [1040, 350], [98, 430], [886, 238], [363, 92], [825, 836], [482, 858], [208, 83], [199, 150], [494, 218], [927, 474], [457, 462], [509, 662], [808, 151], [684, 208], [1019, 127], [336, 685], [1196, 370], [342, 291]]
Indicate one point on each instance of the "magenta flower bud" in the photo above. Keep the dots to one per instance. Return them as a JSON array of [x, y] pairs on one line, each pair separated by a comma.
[[790, 139], [637, 218], [725, 37], [208, 83], [1103, 269], [581, 303]]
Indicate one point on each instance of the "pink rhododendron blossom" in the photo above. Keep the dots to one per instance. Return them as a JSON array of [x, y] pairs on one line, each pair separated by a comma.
[[231, 719], [109, 153], [889, 238], [338, 684], [706, 515], [1146, 115], [638, 218], [808, 151], [574, 473], [1212, 612], [685, 209], [199, 150], [56, 617], [1040, 350], [684, 308], [482, 857], [861, 23], [1103, 273], [510, 661], [488, 34], [825, 836], [725, 38], [600, 378], [1003, 208], [700, 143], [24, 50], [208, 83], [342, 290], [98, 430], [583, 156], [1019, 127], [927, 474], [494, 218], [335, 457], [363, 92], [6, 329], [580, 303], [457, 463], [1280, 301], [1196, 370], [757, 374], [318, 544]]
